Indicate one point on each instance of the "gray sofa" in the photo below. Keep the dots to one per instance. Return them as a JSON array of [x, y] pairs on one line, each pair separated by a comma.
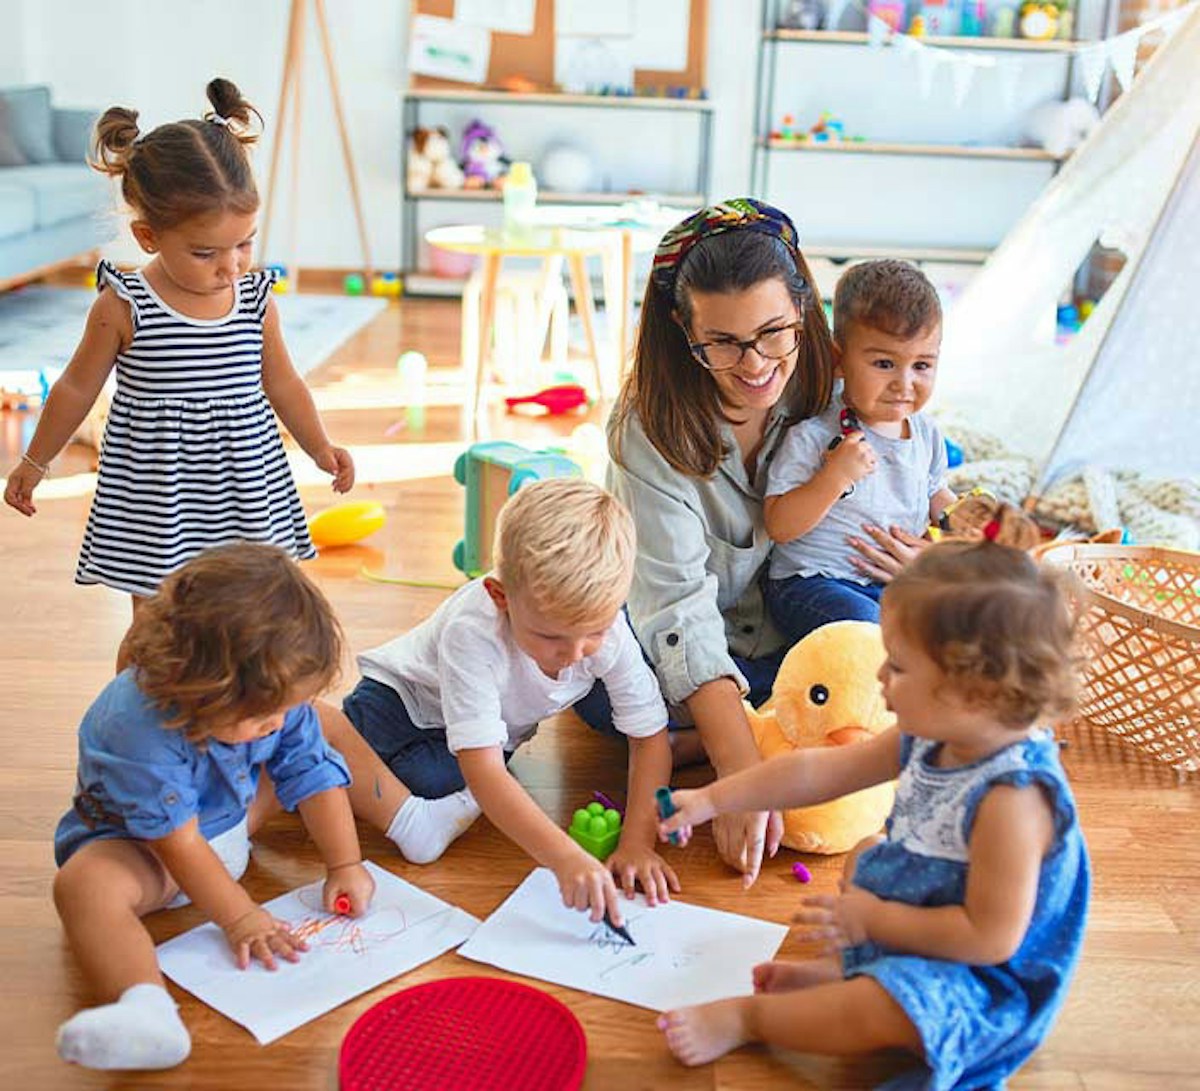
[[53, 206]]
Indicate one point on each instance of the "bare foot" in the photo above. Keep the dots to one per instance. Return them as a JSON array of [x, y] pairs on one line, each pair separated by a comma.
[[781, 977], [708, 1031]]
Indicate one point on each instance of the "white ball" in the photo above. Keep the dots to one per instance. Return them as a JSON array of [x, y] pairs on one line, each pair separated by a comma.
[[566, 169]]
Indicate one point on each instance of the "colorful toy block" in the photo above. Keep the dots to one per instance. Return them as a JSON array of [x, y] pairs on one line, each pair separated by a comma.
[[491, 473], [596, 829]]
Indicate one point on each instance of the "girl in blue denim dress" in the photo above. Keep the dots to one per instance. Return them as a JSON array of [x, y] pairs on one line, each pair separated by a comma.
[[960, 928], [180, 757]]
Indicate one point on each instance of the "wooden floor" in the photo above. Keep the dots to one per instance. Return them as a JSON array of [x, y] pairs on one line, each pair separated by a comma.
[[1131, 1023]]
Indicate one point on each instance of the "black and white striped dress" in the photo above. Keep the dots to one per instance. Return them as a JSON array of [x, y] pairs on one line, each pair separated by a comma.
[[192, 456]]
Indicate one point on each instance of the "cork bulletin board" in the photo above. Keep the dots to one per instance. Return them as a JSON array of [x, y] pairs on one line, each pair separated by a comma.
[[531, 56]]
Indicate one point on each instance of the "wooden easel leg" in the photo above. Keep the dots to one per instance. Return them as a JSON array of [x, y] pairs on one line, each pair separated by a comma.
[[297, 118], [343, 133], [286, 86]]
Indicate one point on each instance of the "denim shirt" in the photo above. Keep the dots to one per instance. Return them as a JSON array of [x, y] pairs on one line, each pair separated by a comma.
[[139, 779], [696, 599]]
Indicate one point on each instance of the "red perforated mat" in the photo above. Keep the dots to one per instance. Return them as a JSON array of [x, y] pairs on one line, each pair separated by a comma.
[[468, 1034]]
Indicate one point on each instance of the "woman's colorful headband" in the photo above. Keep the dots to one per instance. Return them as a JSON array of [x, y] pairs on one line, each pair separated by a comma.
[[738, 214]]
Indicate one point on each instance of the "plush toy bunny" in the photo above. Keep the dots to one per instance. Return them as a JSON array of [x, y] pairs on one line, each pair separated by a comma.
[[1060, 127]]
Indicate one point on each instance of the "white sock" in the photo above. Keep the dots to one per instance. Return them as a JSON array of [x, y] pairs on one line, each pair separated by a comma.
[[141, 1030], [424, 828]]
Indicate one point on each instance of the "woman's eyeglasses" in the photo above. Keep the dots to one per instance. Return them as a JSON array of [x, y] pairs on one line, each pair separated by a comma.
[[773, 344]]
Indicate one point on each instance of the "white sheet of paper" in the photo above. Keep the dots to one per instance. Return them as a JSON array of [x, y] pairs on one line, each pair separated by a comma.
[[585, 65], [684, 954], [591, 18], [660, 34], [403, 928], [449, 50], [506, 16]]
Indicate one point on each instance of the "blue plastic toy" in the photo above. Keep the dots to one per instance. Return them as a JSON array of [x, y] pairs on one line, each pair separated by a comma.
[[491, 473]]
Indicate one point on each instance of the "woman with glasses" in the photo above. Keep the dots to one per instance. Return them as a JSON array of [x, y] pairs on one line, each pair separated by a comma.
[[733, 348]]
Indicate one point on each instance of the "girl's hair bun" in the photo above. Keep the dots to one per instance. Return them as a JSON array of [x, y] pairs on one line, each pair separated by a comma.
[[231, 109], [116, 134]]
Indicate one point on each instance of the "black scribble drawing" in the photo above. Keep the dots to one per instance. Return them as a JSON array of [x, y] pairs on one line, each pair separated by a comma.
[[604, 938]]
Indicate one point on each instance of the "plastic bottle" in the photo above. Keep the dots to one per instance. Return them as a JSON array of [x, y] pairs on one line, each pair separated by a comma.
[[520, 197], [412, 367]]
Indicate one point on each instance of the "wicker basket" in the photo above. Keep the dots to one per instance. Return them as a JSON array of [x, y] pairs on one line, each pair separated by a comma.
[[1139, 618]]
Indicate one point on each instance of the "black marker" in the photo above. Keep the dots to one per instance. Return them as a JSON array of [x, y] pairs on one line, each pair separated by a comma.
[[620, 930]]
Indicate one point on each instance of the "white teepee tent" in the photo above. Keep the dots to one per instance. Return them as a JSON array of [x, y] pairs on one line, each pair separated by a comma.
[[1124, 394]]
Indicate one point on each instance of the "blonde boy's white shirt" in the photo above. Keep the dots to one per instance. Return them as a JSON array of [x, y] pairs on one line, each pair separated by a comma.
[[460, 671]]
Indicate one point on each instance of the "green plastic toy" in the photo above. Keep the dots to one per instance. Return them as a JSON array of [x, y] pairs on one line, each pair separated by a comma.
[[596, 829], [491, 473]]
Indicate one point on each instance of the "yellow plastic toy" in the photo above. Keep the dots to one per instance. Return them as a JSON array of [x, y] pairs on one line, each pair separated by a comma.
[[827, 694], [345, 523]]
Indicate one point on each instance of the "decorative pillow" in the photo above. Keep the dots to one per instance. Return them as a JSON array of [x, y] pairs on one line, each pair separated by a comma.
[[30, 118], [10, 154], [73, 134]]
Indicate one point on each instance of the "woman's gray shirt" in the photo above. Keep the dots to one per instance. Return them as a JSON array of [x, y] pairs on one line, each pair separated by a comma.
[[696, 599]]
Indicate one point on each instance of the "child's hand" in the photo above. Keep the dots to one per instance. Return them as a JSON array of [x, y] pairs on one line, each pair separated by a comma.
[[853, 458], [259, 935], [22, 480], [353, 881], [634, 864], [692, 807], [837, 921], [337, 461], [585, 883]]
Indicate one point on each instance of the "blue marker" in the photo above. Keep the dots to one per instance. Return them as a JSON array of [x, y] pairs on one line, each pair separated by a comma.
[[666, 808]]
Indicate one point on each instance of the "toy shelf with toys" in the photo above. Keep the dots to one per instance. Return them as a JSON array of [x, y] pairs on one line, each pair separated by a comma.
[[861, 37], [873, 91], [593, 127]]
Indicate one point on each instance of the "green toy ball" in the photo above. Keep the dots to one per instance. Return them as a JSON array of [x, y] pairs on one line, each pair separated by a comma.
[[354, 284]]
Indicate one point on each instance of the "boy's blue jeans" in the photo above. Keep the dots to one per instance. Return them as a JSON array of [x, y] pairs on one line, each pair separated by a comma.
[[420, 758], [595, 709], [800, 604]]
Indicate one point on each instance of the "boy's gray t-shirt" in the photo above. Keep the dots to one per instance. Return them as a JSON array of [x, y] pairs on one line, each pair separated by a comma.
[[897, 492]]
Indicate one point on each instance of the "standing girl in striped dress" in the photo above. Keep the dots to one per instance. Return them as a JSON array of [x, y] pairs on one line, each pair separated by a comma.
[[192, 456]]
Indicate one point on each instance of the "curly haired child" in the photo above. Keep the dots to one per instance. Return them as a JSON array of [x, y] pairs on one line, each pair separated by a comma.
[[180, 757], [960, 929]]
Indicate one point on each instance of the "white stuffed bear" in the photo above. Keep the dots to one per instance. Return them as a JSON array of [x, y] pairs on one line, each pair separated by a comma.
[[430, 164], [1060, 127]]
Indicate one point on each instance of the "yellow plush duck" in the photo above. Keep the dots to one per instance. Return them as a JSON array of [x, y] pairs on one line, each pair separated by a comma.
[[827, 694]]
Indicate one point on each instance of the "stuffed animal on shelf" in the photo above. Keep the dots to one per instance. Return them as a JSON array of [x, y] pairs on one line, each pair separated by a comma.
[[483, 159], [827, 694], [1060, 127], [430, 164]]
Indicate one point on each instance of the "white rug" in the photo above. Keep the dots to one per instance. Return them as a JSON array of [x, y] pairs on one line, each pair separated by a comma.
[[40, 329]]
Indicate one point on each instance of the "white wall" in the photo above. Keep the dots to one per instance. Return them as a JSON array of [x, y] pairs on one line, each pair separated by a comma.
[[131, 52]]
